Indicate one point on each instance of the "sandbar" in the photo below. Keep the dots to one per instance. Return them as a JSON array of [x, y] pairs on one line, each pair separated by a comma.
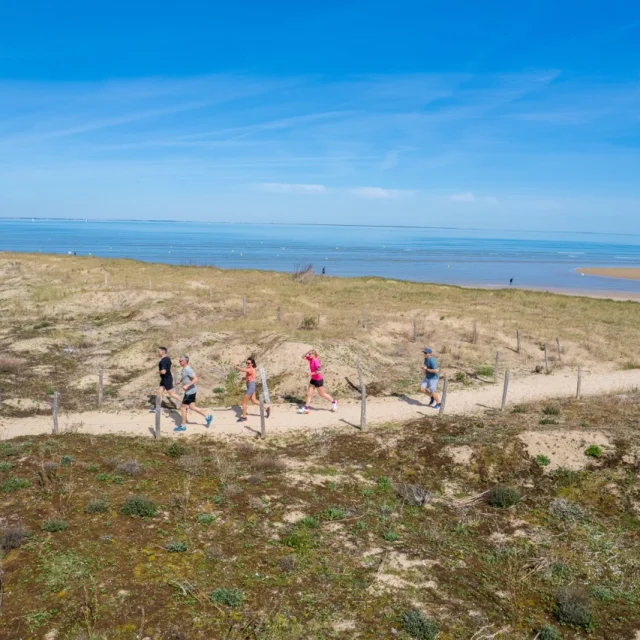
[[625, 273]]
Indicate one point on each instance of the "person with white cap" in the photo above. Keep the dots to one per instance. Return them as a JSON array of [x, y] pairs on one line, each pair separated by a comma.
[[429, 383]]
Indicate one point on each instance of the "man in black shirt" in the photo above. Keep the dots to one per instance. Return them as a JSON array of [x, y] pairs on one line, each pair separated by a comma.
[[166, 379]]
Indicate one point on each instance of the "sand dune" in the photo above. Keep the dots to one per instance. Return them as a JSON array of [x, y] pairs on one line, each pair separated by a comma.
[[625, 273]]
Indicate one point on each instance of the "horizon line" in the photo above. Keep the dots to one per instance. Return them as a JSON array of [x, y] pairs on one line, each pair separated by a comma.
[[312, 224]]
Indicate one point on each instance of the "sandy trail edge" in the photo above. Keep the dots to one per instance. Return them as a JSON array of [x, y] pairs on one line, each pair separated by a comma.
[[379, 410]]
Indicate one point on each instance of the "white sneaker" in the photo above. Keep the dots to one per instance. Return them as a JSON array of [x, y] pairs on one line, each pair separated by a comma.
[[303, 410], [334, 405]]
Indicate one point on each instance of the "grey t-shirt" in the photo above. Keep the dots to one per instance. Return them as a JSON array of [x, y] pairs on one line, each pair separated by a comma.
[[186, 377]]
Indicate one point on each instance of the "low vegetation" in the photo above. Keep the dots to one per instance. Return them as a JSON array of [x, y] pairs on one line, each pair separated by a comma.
[[328, 535], [64, 317]]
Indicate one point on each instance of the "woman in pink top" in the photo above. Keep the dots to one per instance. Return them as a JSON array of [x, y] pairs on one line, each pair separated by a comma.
[[316, 382]]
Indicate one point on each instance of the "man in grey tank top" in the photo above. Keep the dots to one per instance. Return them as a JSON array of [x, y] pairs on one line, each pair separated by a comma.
[[188, 380]]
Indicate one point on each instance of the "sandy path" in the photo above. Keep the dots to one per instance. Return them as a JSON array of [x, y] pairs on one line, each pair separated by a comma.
[[379, 410]]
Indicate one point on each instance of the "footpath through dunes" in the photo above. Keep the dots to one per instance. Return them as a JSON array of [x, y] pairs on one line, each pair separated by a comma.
[[560, 384]]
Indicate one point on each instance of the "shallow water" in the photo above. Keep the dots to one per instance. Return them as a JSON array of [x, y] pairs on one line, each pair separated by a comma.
[[466, 257]]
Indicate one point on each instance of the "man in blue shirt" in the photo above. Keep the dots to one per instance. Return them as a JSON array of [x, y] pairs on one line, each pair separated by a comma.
[[430, 382]]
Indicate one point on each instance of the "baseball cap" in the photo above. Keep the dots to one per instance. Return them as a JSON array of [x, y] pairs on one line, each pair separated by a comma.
[[427, 350]]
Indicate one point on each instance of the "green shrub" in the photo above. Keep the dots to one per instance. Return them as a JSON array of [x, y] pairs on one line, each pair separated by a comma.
[[548, 632], [309, 323], [485, 370], [13, 484], [602, 593], [176, 547], [227, 597], [418, 626], [593, 451], [103, 477], [218, 390], [176, 449], [384, 484], [65, 461], [567, 477], [333, 513], [93, 467], [6, 466], [206, 518], [96, 506], [572, 607], [551, 411], [54, 525], [548, 421], [297, 540], [519, 409], [543, 461], [462, 377], [138, 506], [503, 497], [391, 536], [310, 522]]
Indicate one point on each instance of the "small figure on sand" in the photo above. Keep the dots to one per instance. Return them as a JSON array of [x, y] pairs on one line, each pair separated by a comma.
[[166, 379], [188, 380], [510, 281], [429, 384], [316, 382], [250, 394], [324, 271]]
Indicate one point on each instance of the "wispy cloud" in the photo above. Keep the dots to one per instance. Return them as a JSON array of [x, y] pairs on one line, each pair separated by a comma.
[[378, 193], [283, 187], [467, 196]]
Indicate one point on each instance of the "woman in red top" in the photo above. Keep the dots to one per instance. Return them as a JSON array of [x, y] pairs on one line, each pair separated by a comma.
[[316, 381], [250, 378]]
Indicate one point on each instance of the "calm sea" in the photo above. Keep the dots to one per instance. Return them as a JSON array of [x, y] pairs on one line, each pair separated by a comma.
[[453, 256]]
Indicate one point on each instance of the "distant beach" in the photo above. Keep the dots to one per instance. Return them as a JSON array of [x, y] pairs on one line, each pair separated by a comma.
[[467, 257], [625, 273]]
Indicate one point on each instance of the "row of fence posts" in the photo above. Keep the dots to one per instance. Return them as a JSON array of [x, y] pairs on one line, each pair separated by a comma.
[[265, 399]]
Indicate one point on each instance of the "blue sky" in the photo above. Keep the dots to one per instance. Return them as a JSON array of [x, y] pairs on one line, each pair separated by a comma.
[[459, 114]]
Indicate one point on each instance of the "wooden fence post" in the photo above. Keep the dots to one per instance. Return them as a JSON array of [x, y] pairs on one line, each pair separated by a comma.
[[263, 425], [0, 398], [244, 306], [318, 318], [363, 399], [505, 390], [210, 293], [366, 318], [158, 415], [279, 314], [54, 409], [546, 358], [100, 385], [496, 368], [443, 400], [579, 388], [475, 332], [517, 340], [265, 388], [415, 330], [559, 349], [150, 285], [106, 279]]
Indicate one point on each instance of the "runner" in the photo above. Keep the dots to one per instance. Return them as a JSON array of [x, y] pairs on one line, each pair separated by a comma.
[[250, 394], [316, 381], [166, 379], [430, 382], [188, 379]]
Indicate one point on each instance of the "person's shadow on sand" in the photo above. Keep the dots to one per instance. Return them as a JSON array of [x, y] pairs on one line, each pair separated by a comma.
[[412, 401]]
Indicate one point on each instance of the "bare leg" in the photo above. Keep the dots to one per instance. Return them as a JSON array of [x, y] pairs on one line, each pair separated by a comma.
[[254, 400], [198, 410], [183, 413], [310, 391], [177, 400], [323, 394], [245, 402]]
